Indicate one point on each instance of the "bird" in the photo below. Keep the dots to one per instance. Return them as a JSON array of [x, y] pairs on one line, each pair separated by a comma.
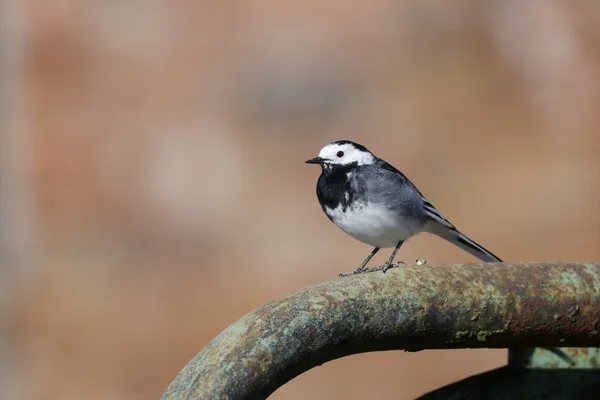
[[376, 204]]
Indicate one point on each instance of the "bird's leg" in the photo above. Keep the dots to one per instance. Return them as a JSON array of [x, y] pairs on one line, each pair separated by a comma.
[[388, 263], [364, 263]]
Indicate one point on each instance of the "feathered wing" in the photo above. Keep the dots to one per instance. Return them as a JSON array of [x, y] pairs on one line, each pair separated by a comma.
[[440, 226], [410, 202]]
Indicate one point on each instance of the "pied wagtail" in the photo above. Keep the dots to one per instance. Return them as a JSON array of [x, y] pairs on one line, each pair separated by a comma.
[[375, 203]]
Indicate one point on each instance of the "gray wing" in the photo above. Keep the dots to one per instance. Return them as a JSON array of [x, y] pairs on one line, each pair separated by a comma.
[[384, 183], [391, 188]]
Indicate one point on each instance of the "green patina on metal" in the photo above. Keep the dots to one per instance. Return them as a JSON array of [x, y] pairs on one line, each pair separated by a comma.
[[450, 306], [480, 335]]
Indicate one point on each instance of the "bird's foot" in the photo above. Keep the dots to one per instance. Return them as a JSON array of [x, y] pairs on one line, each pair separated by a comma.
[[358, 270], [389, 265], [383, 268]]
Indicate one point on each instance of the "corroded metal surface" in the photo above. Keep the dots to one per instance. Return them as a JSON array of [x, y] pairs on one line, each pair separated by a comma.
[[445, 306], [558, 358]]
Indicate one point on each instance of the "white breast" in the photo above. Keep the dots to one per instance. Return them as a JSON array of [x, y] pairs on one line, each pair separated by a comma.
[[373, 224]]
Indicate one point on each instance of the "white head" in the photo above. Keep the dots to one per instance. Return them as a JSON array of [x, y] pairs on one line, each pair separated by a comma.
[[343, 152]]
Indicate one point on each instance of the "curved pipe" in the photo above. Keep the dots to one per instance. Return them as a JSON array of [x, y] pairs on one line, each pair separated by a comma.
[[446, 306]]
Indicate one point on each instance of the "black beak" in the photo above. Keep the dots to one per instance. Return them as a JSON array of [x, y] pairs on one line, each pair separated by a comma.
[[316, 160]]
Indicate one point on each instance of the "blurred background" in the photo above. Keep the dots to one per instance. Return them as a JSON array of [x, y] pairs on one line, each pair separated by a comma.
[[153, 187]]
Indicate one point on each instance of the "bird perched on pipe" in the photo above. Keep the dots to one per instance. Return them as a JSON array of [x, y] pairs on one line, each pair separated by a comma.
[[378, 205]]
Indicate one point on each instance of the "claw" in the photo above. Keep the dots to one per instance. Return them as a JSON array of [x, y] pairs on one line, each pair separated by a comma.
[[387, 266]]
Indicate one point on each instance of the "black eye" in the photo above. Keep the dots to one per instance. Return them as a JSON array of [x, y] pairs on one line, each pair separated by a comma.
[[340, 154]]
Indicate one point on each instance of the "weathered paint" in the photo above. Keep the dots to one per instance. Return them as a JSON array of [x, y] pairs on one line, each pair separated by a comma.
[[447, 306]]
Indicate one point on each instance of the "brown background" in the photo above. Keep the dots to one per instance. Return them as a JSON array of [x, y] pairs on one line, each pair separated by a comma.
[[152, 185]]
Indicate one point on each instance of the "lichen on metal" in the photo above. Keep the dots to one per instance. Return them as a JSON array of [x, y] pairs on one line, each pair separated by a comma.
[[447, 306]]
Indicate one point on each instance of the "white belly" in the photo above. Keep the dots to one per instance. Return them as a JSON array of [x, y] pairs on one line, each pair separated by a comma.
[[372, 224]]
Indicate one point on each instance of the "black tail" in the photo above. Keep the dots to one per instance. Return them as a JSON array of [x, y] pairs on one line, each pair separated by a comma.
[[439, 225]]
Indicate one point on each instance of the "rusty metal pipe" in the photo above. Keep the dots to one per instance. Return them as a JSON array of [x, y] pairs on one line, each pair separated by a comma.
[[447, 306]]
